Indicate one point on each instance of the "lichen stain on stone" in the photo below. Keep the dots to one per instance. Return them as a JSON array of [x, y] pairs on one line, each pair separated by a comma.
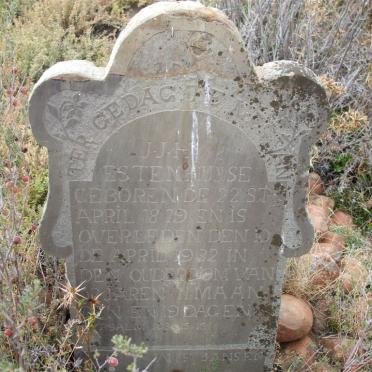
[[276, 240], [185, 164], [275, 105], [188, 275]]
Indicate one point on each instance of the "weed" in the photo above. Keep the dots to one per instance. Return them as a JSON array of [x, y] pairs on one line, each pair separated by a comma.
[[39, 189], [353, 239], [356, 204], [339, 163]]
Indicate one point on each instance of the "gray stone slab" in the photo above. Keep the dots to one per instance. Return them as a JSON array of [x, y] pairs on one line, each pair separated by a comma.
[[178, 181]]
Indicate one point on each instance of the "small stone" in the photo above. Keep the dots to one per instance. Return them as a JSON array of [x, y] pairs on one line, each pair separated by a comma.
[[324, 269], [321, 201], [295, 319], [340, 218], [334, 250], [333, 238], [319, 217], [315, 184], [305, 348], [337, 348], [354, 275]]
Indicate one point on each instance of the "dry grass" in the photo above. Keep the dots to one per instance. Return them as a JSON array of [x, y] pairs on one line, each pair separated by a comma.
[[39, 35], [330, 37]]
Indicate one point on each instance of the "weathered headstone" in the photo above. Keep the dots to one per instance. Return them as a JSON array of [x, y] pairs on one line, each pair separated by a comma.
[[177, 185]]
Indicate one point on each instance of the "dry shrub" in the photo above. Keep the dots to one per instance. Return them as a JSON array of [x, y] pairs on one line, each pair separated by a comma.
[[333, 88], [330, 37], [349, 121], [53, 30]]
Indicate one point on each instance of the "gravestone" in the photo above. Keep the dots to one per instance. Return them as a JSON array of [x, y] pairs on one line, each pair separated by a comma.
[[177, 180]]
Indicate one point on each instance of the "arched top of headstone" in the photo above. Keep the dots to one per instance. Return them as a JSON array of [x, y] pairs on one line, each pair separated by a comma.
[[169, 38]]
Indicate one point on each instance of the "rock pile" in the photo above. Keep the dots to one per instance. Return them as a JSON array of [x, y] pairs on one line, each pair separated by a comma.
[[301, 326]]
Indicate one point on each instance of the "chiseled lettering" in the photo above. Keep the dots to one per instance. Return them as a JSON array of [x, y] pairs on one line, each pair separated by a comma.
[[101, 119], [169, 173], [115, 110], [207, 311], [131, 101], [147, 96], [166, 93], [246, 273]]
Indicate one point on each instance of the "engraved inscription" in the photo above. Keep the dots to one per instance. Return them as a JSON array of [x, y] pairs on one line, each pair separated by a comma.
[[174, 215]]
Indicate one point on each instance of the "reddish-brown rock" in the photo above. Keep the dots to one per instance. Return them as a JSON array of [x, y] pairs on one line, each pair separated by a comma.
[[337, 348], [321, 201], [354, 274], [332, 238], [334, 250], [295, 319], [324, 269], [305, 348], [340, 218], [315, 184], [319, 217], [298, 354]]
